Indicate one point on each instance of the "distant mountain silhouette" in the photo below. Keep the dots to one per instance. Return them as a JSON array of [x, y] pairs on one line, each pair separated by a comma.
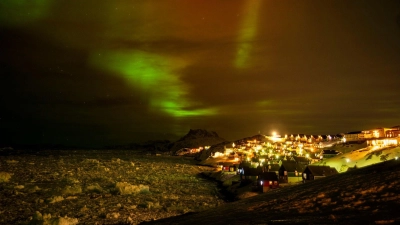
[[199, 133], [196, 138]]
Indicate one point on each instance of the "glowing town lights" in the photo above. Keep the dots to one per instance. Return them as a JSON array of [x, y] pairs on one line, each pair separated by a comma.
[[274, 134], [347, 160], [307, 156], [396, 157], [233, 145], [218, 154]]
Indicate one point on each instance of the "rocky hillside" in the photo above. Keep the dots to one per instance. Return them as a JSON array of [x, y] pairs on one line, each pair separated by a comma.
[[196, 138], [68, 187], [363, 196]]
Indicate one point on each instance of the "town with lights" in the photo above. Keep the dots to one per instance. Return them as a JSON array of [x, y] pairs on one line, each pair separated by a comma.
[[275, 160]]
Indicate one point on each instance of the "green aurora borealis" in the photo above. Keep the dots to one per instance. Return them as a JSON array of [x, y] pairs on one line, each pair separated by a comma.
[[157, 77], [22, 12], [95, 73], [247, 32]]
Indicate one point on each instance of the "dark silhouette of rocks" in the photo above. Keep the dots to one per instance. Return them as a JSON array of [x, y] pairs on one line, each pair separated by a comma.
[[199, 133], [196, 138]]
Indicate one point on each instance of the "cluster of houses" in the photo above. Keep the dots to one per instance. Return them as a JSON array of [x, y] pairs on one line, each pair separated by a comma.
[[271, 176], [378, 133], [372, 134], [267, 149], [280, 160], [373, 137], [271, 160], [189, 151], [271, 150]]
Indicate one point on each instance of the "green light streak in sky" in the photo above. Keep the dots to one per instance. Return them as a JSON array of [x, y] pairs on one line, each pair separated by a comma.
[[20, 12], [156, 77], [265, 103], [247, 33]]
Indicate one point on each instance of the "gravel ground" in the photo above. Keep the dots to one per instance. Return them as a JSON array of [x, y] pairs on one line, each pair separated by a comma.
[[99, 187]]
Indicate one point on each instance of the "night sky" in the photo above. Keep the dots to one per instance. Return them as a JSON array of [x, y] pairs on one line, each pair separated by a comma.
[[95, 73]]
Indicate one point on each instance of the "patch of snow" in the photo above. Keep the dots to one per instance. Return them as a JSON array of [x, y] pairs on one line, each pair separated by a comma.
[[72, 190], [94, 188], [125, 188], [19, 187], [4, 177], [113, 215], [47, 219], [55, 199], [91, 161]]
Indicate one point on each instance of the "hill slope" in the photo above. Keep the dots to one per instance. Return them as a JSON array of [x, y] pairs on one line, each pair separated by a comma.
[[196, 138], [361, 158], [369, 195]]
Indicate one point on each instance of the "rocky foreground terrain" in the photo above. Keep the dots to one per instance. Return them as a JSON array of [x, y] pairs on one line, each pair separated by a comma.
[[99, 187], [369, 195]]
